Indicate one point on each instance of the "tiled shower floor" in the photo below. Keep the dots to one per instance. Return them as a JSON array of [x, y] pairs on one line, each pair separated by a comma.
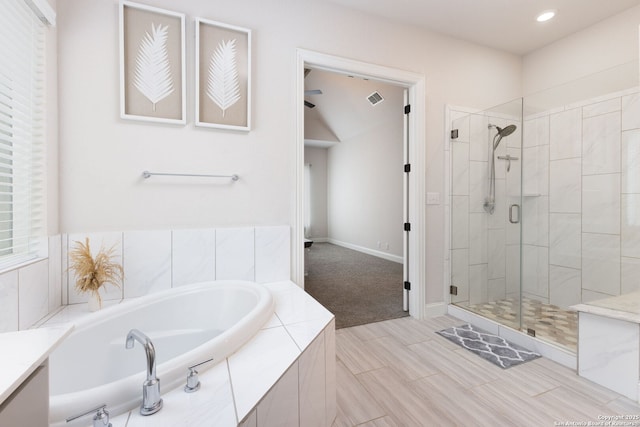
[[551, 323]]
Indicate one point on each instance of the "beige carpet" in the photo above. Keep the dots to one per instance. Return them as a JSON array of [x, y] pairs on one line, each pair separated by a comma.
[[356, 287]]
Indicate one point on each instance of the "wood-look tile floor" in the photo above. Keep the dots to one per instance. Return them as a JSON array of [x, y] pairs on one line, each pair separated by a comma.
[[401, 373]]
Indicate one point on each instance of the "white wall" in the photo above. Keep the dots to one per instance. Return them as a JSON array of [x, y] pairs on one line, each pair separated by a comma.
[[102, 157], [365, 183], [610, 43], [317, 157]]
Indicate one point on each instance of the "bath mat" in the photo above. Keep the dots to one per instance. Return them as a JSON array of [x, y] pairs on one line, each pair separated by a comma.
[[491, 347]]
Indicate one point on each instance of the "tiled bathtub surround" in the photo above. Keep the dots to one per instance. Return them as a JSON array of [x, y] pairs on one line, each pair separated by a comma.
[[158, 260], [152, 261], [284, 375], [30, 292]]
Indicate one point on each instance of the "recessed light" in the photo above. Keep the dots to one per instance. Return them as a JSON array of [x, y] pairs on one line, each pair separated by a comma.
[[546, 15]]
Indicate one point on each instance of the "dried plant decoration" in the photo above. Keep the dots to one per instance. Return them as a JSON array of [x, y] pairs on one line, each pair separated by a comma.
[[94, 272]]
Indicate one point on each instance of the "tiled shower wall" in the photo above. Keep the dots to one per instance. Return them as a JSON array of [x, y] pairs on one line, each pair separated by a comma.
[[152, 261], [594, 189], [580, 205]]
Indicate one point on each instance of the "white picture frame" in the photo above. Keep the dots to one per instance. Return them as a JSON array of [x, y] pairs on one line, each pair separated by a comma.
[[152, 64], [222, 76]]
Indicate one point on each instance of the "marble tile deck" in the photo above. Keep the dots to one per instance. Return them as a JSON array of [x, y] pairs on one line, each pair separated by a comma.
[[624, 307]]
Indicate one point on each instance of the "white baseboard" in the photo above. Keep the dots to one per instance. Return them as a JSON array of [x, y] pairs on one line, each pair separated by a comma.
[[435, 309], [318, 239], [379, 254]]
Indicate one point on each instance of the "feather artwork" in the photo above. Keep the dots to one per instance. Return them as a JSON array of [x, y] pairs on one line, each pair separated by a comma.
[[153, 74], [223, 86]]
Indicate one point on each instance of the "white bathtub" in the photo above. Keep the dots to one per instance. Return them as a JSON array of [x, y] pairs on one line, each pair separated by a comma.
[[187, 325]]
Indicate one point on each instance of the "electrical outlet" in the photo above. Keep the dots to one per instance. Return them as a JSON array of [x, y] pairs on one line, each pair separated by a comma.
[[386, 246]]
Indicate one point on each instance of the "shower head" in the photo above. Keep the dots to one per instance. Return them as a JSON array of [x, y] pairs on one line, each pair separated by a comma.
[[506, 131], [502, 132]]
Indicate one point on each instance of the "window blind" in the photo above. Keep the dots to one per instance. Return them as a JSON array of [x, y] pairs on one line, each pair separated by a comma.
[[22, 92]]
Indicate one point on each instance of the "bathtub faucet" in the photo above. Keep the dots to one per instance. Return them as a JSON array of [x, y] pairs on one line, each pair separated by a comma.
[[151, 400]]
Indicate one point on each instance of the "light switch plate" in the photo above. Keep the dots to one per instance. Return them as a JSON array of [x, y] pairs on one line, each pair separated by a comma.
[[433, 198]]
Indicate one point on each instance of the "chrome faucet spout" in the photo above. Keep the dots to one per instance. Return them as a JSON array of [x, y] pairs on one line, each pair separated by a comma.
[[149, 349], [151, 400]]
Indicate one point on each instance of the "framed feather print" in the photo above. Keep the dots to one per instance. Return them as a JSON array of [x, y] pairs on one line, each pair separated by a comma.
[[152, 64], [223, 76]]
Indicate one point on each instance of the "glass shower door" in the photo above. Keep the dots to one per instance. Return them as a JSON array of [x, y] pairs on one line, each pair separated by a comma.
[[486, 212], [564, 227]]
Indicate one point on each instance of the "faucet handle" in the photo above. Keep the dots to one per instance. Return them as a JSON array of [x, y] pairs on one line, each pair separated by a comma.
[[101, 419], [193, 383]]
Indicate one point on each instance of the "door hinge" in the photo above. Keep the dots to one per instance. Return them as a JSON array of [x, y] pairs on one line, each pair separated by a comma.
[[454, 134], [407, 108], [453, 290], [407, 226], [407, 168], [407, 285]]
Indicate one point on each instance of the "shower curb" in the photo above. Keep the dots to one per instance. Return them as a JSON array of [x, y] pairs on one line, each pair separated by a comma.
[[557, 354]]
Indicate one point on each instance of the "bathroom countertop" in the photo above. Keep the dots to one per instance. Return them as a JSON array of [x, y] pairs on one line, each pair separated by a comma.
[[253, 369], [23, 351], [624, 307]]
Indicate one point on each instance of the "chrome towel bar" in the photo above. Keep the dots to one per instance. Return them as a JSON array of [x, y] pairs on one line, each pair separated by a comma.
[[147, 174]]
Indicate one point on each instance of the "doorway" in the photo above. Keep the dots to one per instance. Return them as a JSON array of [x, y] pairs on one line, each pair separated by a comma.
[[414, 239], [354, 196]]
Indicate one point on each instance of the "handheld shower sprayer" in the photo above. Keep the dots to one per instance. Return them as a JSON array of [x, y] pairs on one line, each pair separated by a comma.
[[502, 133], [490, 202]]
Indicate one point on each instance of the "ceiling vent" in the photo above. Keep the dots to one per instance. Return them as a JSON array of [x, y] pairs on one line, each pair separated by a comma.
[[375, 98]]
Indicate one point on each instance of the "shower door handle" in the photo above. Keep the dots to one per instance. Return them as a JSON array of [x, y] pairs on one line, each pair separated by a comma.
[[511, 217]]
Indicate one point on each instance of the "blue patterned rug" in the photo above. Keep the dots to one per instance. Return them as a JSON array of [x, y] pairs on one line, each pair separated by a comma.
[[490, 347]]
